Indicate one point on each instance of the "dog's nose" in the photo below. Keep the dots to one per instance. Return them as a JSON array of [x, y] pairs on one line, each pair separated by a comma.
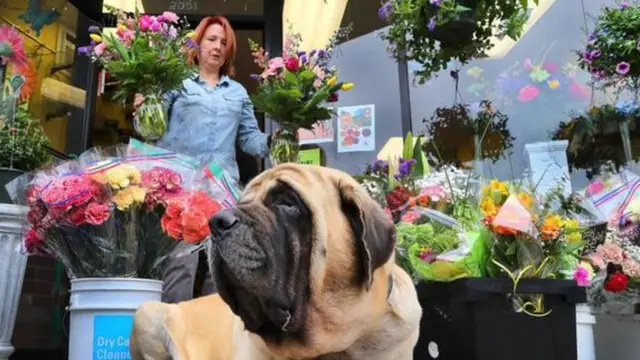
[[223, 221]]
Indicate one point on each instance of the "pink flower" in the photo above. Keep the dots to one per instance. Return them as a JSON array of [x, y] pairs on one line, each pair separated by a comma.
[[595, 187], [528, 64], [276, 63], [170, 17], [126, 36], [66, 192], [623, 68], [99, 49], [631, 267], [582, 276], [434, 192], [96, 213], [611, 253], [33, 240], [410, 217], [144, 23], [550, 67], [156, 26], [528, 93], [597, 260], [161, 184]]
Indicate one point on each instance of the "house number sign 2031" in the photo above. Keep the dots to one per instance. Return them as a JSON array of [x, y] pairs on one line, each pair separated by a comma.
[[183, 5]]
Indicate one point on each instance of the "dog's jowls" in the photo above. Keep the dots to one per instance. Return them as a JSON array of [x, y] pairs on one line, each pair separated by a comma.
[[305, 268]]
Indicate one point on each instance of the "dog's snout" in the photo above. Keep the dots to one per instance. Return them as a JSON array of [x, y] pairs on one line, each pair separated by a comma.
[[223, 221]]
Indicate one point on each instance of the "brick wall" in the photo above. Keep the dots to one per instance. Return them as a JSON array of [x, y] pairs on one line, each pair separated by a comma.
[[39, 301]]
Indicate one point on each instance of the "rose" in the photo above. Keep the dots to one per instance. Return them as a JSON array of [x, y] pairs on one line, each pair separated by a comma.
[[196, 226], [96, 213], [292, 64], [617, 282]]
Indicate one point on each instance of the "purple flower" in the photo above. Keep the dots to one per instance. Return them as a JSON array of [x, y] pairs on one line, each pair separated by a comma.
[[592, 37], [191, 44], [301, 53], [173, 33], [385, 10], [404, 170], [94, 29], [84, 50], [381, 167], [623, 5], [435, 2], [304, 59], [587, 56], [255, 76], [432, 23], [595, 54], [321, 53], [313, 52], [623, 68]]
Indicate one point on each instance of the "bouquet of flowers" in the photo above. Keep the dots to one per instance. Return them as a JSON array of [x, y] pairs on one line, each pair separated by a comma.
[[528, 238], [293, 90], [614, 284], [118, 212], [148, 55]]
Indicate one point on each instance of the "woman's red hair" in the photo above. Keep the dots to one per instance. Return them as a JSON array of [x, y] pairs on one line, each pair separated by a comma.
[[230, 52]]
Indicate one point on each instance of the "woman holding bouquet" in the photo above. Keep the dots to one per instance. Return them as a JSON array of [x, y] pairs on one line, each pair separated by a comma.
[[207, 118]]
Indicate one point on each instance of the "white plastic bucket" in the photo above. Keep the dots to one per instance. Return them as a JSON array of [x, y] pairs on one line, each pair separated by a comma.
[[584, 331], [102, 315]]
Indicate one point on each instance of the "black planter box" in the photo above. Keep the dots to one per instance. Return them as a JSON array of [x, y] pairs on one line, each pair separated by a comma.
[[474, 319]]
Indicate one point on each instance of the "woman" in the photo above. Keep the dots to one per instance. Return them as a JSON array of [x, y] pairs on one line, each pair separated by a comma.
[[207, 118]]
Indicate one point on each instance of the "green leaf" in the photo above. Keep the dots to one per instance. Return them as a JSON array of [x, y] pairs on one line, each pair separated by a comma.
[[421, 167], [407, 148], [307, 75], [460, 8], [291, 78]]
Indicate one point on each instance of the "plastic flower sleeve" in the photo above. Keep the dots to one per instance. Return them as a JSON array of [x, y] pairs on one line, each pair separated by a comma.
[[432, 246]]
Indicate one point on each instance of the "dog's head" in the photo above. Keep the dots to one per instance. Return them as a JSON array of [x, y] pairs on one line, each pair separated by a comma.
[[301, 259]]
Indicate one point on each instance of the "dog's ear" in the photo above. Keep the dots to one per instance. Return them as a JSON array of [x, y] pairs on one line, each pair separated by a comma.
[[374, 233]]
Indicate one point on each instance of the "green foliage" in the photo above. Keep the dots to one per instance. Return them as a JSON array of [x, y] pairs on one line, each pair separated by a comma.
[[460, 30], [613, 43], [293, 101], [22, 142]]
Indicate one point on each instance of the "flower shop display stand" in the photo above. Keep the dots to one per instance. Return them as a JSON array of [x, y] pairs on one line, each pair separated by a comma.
[[617, 337], [475, 319], [13, 263], [102, 315]]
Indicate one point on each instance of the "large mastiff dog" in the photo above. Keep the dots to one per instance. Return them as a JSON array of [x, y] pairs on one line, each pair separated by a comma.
[[305, 268]]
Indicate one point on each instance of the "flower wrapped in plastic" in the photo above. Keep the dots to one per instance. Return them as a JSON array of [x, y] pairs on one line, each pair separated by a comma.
[[612, 275], [433, 246], [70, 216]]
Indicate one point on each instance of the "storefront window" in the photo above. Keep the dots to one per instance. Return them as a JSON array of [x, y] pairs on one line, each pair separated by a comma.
[[535, 82]]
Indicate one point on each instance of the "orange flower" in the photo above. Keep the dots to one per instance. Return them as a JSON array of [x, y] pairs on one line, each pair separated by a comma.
[[551, 227]]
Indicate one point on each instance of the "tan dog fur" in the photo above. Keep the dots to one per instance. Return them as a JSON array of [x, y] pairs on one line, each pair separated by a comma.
[[344, 323]]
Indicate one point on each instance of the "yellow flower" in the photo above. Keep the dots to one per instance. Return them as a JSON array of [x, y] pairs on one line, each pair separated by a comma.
[[121, 27], [95, 37], [572, 235], [525, 199], [133, 174], [496, 186], [137, 193], [553, 84], [117, 177], [332, 80], [551, 226], [191, 34], [488, 207], [347, 86], [123, 199]]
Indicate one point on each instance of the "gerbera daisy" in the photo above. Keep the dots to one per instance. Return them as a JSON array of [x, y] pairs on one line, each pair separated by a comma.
[[11, 46]]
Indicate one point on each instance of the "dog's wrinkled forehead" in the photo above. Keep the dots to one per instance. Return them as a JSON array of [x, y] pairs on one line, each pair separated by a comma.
[[319, 182]]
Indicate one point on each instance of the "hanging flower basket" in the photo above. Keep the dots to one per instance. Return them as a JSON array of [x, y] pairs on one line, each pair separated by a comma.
[[612, 50], [434, 32], [452, 132]]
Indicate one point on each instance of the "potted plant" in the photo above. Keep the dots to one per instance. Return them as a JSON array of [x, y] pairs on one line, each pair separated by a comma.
[[22, 148], [112, 218], [434, 32], [612, 52], [461, 133], [293, 90], [592, 135]]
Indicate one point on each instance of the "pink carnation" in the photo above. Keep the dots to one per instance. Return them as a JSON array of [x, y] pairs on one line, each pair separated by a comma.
[[582, 276], [410, 217], [144, 23], [434, 192], [161, 184], [96, 214], [631, 267]]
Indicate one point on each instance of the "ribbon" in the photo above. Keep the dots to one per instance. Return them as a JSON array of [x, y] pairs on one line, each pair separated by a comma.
[[537, 307]]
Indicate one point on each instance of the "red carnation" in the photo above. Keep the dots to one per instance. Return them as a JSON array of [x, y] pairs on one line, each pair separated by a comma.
[[332, 97], [398, 197], [617, 282], [292, 64]]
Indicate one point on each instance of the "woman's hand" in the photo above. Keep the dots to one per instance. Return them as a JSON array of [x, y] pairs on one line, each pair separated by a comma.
[[138, 99]]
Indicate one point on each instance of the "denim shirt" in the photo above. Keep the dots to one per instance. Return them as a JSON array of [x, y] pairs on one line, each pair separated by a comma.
[[207, 122]]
